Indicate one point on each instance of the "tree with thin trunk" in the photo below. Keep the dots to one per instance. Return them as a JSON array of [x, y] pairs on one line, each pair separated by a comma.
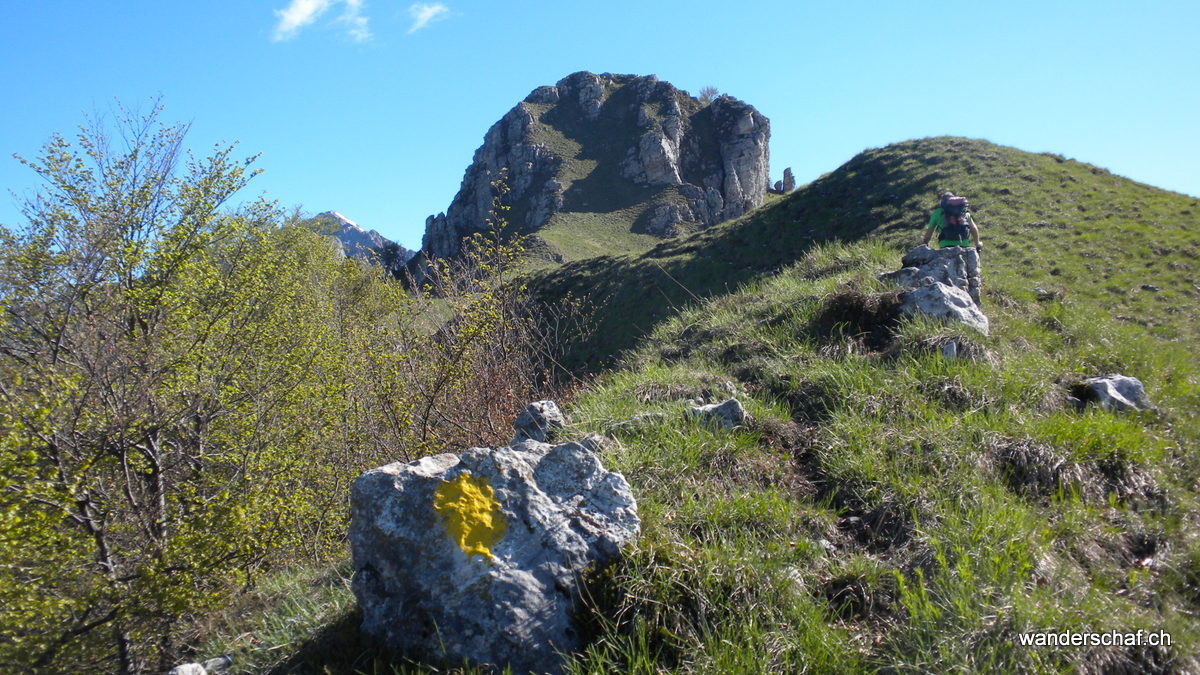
[[187, 391]]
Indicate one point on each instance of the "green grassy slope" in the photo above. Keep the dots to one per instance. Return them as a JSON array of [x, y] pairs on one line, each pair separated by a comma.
[[1056, 223], [889, 509]]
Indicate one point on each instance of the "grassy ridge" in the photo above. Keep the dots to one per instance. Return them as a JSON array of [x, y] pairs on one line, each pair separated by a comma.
[[889, 509], [1062, 225]]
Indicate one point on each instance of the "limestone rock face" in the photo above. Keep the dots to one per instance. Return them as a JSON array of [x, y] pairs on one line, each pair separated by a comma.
[[719, 155], [509, 153], [477, 556], [695, 206], [566, 146]]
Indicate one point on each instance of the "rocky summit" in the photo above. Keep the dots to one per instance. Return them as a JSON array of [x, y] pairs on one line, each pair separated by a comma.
[[624, 152], [357, 242]]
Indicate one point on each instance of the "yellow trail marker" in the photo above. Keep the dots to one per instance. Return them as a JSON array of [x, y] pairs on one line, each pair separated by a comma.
[[471, 513]]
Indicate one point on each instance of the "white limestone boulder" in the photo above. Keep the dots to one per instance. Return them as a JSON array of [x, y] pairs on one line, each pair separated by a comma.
[[726, 414], [478, 556], [1117, 393], [956, 266], [944, 302], [538, 422]]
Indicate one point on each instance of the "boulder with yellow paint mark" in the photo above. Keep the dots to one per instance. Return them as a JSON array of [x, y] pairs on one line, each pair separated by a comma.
[[477, 556]]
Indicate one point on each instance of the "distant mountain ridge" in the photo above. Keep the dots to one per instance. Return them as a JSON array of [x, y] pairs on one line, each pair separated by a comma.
[[599, 161], [357, 242]]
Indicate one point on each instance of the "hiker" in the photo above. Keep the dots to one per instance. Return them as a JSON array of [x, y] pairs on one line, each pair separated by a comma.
[[955, 227], [953, 223]]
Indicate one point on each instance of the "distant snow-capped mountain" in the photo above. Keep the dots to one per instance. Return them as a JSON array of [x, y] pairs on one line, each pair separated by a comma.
[[359, 243]]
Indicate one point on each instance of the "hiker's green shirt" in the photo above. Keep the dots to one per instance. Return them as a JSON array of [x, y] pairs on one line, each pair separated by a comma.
[[937, 222]]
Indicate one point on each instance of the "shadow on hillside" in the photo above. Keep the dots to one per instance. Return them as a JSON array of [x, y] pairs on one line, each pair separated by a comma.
[[606, 186], [339, 647], [636, 293]]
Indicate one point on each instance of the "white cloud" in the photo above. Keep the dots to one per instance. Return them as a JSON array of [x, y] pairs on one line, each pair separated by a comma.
[[296, 16], [423, 15], [301, 13]]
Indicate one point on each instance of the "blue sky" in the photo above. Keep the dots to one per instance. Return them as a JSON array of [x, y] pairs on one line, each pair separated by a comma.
[[375, 107]]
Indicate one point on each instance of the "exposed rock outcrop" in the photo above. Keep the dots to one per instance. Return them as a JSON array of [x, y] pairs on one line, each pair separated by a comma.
[[956, 266], [944, 283], [538, 422], [945, 302], [510, 153], [565, 147], [696, 206], [477, 556]]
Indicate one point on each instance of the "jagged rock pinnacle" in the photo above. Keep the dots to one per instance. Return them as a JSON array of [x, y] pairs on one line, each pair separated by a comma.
[[590, 141]]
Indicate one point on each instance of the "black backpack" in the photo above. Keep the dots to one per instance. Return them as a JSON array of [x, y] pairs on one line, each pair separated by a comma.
[[955, 210]]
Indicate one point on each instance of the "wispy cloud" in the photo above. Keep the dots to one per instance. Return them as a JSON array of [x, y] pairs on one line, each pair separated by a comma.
[[356, 23], [301, 13], [423, 15]]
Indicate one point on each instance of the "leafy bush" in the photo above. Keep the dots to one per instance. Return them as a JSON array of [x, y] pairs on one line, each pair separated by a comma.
[[187, 393]]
